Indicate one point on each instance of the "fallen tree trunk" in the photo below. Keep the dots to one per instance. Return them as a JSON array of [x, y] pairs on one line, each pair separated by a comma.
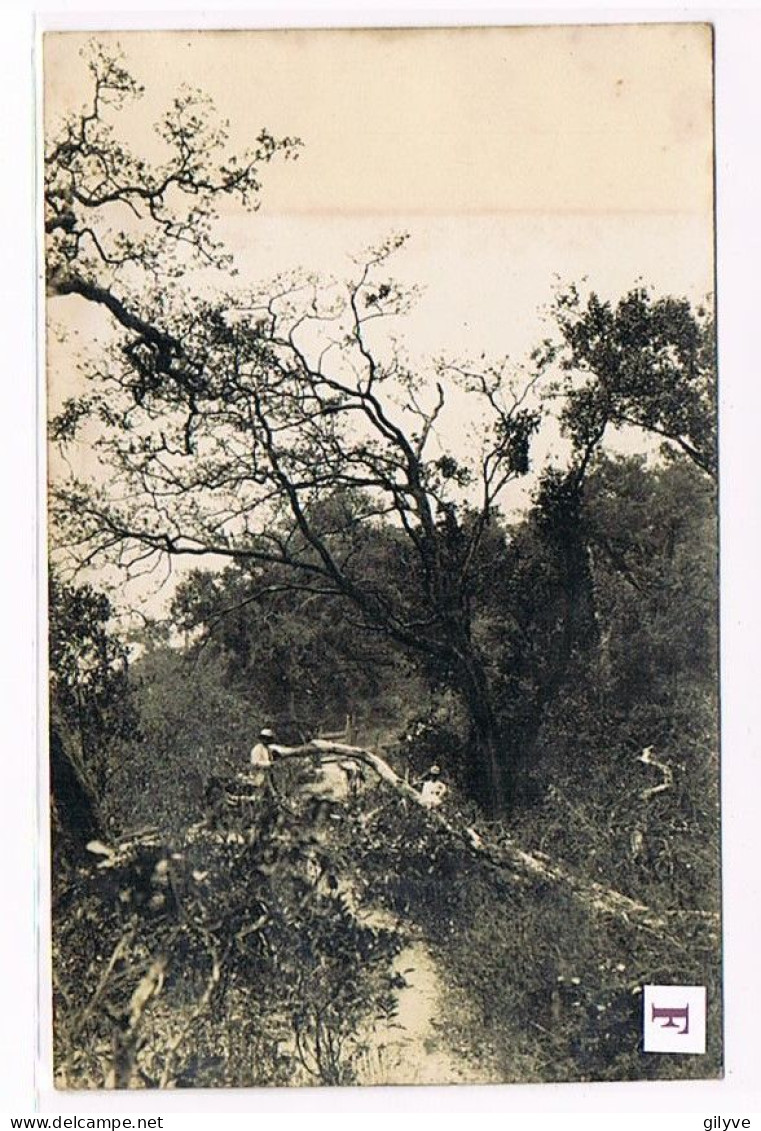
[[506, 855]]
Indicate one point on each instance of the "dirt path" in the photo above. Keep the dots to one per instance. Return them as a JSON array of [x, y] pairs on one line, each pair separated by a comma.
[[412, 1047], [415, 1046]]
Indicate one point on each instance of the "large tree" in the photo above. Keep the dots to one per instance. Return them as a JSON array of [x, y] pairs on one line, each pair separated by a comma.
[[237, 424], [92, 706]]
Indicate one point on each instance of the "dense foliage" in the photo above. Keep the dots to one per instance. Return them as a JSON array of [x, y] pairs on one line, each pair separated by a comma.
[[257, 891], [92, 707]]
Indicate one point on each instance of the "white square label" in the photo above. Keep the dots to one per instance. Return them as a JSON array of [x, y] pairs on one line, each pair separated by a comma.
[[674, 1019]]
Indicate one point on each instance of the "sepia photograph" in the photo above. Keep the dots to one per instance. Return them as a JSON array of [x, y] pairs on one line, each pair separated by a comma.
[[381, 406]]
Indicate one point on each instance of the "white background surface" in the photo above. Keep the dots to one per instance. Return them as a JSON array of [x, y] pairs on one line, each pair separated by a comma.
[[684, 1032], [739, 257]]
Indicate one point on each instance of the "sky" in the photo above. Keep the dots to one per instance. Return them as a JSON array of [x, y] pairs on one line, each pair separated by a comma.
[[468, 121], [510, 154], [515, 158]]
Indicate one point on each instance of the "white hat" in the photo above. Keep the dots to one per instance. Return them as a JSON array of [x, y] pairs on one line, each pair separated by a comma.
[[265, 732]]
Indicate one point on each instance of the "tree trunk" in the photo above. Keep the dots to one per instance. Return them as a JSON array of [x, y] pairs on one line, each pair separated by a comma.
[[577, 635], [507, 855], [490, 778], [75, 814]]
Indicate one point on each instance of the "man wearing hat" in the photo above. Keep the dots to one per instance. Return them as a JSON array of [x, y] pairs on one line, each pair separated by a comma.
[[434, 790], [261, 756]]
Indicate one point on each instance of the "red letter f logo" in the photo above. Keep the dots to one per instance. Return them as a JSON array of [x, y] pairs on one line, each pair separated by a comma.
[[672, 1014]]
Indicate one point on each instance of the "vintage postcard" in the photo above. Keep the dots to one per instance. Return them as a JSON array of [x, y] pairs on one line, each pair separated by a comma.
[[381, 406]]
